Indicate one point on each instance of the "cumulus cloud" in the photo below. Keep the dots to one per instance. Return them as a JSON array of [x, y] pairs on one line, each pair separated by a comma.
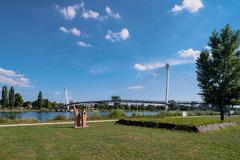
[[135, 87], [110, 13], [187, 56], [63, 29], [90, 14], [68, 12], [83, 44], [189, 53], [73, 31], [13, 78], [189, 5], [153, 66], [147, 67], [117, 36]]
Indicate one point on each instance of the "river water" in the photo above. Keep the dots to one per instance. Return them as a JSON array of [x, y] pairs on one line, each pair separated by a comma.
[[44, 116]]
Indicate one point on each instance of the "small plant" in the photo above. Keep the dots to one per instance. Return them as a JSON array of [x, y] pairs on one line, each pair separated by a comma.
[[135, 114], [60, 117], [118, 113]]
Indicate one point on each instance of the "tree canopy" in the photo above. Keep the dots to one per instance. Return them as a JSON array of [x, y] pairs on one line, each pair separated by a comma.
[[218, 69], [11, 97], [40, 100], [4, 97]]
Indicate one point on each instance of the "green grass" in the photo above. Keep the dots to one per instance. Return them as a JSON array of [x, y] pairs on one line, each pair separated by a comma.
[[17, 121], [110, 141], [197, 121]]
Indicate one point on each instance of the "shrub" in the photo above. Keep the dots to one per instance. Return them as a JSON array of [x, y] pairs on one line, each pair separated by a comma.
[[95, 116], [118, 113], [60, 117], [135, 114], [168, 114], [154, 124]]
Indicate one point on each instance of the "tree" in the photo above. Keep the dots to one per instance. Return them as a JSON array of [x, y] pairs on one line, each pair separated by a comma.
[[11, 97], [40, 100], [218, 69], [116, 98], [18, 100], [4, 97]]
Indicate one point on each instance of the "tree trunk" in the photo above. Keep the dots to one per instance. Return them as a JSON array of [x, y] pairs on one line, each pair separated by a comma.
[[222, 113]]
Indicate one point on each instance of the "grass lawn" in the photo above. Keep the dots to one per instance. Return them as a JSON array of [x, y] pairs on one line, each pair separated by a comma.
[[195, 120], [110, 141]]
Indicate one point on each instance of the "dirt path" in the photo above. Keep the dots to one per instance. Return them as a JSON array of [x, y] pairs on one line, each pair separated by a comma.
[[51, 123]]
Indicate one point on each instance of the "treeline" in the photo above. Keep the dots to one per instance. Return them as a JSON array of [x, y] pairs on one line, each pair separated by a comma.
[[105, 106], [11, 100]]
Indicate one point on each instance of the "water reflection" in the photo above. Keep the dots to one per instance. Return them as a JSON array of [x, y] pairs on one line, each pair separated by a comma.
[[44, 116]]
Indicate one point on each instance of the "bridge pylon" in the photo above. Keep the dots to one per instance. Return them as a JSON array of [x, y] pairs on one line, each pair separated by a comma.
[[167, 86]]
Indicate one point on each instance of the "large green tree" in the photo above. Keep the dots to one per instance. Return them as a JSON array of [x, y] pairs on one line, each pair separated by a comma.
[[11, 97], [40, 100], [4, 97], [218, 69], [18, 100]]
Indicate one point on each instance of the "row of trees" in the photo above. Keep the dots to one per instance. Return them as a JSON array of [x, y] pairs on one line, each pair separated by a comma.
[[11, 99]]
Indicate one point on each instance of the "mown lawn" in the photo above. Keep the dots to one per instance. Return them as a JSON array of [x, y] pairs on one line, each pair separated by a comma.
[[195, 120], [110, 141]]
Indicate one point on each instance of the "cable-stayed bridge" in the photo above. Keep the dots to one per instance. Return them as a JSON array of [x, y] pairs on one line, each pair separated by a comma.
[[143, 101]]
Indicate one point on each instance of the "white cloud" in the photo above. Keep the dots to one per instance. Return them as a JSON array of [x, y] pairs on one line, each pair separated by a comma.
[[207, 47], [90, 14], [12, 78], [68, 12], [154, 66], [189, 5], [111, 13], [117, 36], [135, 87], [189, 53], [7, 72], [73, 31], [187, 56], [147, 67], [84, 44], [57, 93], [63, 29]]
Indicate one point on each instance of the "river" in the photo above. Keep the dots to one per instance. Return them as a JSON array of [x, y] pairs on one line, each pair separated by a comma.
[[45, 116]]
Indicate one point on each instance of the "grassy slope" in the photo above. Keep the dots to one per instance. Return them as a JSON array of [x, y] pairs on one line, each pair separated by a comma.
[[188, 120], [109, 141]]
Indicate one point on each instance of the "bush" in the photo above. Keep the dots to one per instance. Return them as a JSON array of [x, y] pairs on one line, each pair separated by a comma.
[[95, 116], [168, 114], [60, 117], [152, 124], [118, 113], [135, 114]]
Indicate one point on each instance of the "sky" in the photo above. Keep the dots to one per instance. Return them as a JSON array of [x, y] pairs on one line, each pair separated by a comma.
[[100, 48]]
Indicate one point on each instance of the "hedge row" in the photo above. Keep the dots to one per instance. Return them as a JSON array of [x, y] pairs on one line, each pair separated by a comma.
[[151, 124]]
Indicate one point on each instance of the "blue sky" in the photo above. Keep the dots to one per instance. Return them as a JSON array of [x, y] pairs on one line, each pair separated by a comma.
[[101, 48]]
